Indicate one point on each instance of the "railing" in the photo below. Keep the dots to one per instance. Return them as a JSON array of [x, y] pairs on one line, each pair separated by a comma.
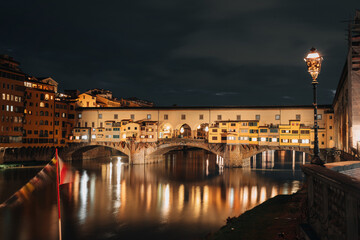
[[333, 203]]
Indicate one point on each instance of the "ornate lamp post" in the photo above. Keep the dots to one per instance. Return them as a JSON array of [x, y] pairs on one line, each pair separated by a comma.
[[313, 61]]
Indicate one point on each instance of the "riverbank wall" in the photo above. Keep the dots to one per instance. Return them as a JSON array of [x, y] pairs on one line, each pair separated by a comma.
[[44, 154]]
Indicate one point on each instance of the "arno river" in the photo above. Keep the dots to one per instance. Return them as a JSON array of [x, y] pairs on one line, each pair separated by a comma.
[[185, 197]]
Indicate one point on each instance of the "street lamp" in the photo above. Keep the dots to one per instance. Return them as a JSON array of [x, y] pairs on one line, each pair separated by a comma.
[[313, 61]]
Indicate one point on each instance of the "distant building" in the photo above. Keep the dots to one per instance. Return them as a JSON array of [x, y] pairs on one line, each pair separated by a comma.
[[33, 114], [135, 102], [104, 98], [12, 92]]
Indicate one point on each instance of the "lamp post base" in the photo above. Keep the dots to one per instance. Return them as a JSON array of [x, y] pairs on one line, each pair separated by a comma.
[[316, 160]]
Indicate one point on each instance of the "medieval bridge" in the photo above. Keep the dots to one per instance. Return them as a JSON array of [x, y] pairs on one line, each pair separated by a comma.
[[144, 153]]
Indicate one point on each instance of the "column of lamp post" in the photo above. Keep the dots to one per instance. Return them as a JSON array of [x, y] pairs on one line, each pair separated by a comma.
[[313, 61]]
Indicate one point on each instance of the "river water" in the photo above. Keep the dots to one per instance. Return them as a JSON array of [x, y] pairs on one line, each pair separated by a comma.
[[185, 197]]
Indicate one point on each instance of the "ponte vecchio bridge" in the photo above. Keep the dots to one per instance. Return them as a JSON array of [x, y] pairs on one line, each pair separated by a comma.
[[144, 153]]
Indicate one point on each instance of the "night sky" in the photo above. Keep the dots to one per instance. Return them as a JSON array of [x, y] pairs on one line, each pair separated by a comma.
[[184, 52]]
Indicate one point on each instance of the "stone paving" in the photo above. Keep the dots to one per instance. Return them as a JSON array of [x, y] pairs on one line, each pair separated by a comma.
[[350, 168]]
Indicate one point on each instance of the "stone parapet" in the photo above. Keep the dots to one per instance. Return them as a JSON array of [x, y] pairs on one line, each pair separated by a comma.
[[333, 203]]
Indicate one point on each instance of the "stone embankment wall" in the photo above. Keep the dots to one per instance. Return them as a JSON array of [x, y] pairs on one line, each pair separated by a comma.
[[333, 203], [72, 152], [26, 154]]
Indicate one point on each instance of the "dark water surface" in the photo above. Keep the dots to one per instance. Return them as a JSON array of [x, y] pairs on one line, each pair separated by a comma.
[[185, 197]]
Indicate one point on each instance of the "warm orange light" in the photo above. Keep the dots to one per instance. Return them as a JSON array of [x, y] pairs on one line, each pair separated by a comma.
[[313, 62]]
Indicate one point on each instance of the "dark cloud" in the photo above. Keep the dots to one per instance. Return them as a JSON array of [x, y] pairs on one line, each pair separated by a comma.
[[202, 52]]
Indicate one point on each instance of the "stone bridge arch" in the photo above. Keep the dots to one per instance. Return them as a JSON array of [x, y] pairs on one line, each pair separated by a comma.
[[151, 152], [94, 150]]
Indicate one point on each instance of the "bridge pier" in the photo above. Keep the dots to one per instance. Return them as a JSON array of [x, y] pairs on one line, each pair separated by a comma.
[[239, 156]]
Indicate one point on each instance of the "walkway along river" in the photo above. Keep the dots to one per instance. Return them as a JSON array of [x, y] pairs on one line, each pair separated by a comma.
[[184, 197]]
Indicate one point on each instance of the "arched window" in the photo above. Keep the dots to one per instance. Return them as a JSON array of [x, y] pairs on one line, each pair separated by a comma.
[[46, 113], [41, 122], [41, 113], [46, 122], [42, 97], [42, 104], [46, 96], [46, 105]]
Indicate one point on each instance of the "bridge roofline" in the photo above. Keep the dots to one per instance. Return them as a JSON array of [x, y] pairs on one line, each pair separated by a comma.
[[327, 106]]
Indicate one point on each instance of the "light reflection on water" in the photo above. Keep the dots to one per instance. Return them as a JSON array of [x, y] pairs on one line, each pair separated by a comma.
[[184, 197]]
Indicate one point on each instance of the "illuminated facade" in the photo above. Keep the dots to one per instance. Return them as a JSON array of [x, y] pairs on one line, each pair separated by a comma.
[[33, 114], [274, 126], [347, 101], [12, 93]]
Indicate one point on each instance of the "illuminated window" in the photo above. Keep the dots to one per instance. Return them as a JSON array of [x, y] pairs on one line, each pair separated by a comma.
[[263, 139], [46, 96], [319, 116], [284, 140], [294, 140], [148, 116], [42, 104], [100, 116], [3, 96], [257, 117], [277, 117], [79, 116]]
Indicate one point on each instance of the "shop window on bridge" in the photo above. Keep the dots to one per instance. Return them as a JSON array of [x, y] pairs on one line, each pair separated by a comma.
[[273, 130], [257, 116], [238, 117], [223, 138], [263, 130], [42, 104], [166, 117], [277, 117], [214, 130], [295, 132], [219, 117], [298, 117], [214, 138], [233, 124], [183, 116], [116, 136], [253, 124], [201, 116]]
